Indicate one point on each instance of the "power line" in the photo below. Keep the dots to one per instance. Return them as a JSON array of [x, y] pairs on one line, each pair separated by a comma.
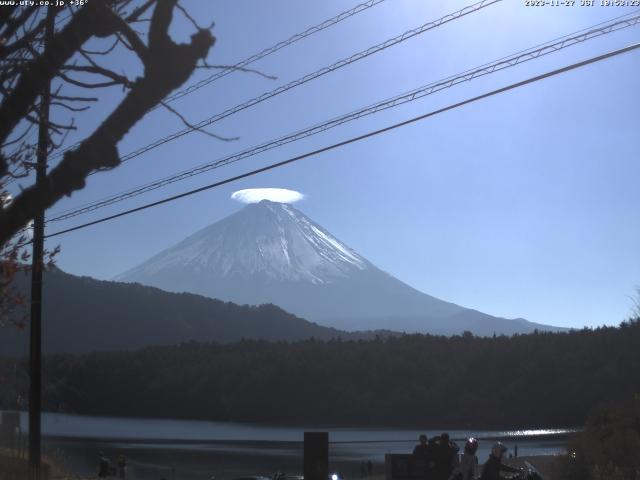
[[258, 56], [268, 51], [468, 75], [358, 138], [388, 43], [312, 76]]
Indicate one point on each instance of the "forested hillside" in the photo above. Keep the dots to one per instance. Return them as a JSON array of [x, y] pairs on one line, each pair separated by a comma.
[[540, 379], [82, 315]]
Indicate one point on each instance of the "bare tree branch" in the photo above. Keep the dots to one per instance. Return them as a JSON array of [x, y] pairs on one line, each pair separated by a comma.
[[135, 43], [5, 16], [97, 70], [18, 139], [205, 65], [167, 66], [24, 41], [101, 52], [188, 16], [14, 24], [65, 43], [138, 12], [74, 99], [56, 145], [69, 107], [82, 84], [195, 127]]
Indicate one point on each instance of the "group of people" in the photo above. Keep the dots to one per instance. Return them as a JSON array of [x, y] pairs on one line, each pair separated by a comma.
[[437, 457], [106, 470], [440, 459]]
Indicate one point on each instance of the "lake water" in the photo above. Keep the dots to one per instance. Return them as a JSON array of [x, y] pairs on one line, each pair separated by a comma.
[[159, 448]]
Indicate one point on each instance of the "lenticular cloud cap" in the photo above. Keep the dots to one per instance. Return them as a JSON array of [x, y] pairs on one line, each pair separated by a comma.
[[255, 195]]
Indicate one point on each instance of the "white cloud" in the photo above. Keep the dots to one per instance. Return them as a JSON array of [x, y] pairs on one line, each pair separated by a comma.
[[254, 195]]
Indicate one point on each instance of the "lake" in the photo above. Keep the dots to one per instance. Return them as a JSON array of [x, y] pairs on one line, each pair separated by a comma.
[[160, 448]]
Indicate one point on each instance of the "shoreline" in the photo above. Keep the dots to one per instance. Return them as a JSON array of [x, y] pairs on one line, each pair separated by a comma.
[[224, 461], [228, 468], [152, 464], [284, 443], [197, 449], [314, 426]]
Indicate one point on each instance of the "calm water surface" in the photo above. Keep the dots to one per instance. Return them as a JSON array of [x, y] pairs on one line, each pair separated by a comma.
[[158, 448]]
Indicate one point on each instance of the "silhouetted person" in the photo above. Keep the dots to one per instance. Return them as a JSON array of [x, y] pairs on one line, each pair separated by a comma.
[[515, 451], [370, 467], [493, 466], [422, 449], [445, 455], [422, 457], [363, 469], [103, 465], [467, 466], [122, 464]]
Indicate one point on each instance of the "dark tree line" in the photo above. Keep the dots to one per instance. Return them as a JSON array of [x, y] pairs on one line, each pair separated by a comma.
[[541, 379]]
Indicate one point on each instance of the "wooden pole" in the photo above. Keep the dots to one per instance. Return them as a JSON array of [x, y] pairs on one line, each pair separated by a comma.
[[35, 336]]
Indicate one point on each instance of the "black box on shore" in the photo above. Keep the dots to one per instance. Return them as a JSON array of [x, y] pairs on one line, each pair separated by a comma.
[[316, 455]]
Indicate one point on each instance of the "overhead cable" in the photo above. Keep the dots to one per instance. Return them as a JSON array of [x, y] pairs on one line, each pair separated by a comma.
[[415, 94], [311, 76], [258, 56], [334, 146], [268, 51]]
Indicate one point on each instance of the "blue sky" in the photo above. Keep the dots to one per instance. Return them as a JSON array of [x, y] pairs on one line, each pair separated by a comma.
[[522, 205]]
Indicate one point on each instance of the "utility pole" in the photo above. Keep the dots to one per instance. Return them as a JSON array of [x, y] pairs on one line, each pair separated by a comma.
[[35, 339]]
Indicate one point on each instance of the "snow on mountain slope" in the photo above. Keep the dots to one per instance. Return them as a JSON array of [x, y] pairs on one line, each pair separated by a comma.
[[270, 252], [270, 239]]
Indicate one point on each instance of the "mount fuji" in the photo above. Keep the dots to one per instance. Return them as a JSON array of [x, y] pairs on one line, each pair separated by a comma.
[[270, 252]]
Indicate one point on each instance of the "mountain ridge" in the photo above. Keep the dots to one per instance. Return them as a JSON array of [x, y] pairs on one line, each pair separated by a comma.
[[82, 315], [270, 252]]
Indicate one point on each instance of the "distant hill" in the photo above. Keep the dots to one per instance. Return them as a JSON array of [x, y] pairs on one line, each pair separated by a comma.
[[81, 314], [271, 252]]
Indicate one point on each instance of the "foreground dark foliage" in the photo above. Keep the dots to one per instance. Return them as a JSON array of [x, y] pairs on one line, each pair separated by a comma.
[[609, 447], [542, 379]]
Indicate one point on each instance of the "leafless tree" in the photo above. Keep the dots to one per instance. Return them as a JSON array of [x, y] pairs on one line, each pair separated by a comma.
[[28, 64]]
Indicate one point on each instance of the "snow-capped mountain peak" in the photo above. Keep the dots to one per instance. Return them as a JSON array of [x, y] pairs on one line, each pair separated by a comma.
[[267, 239], [270, 252]]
